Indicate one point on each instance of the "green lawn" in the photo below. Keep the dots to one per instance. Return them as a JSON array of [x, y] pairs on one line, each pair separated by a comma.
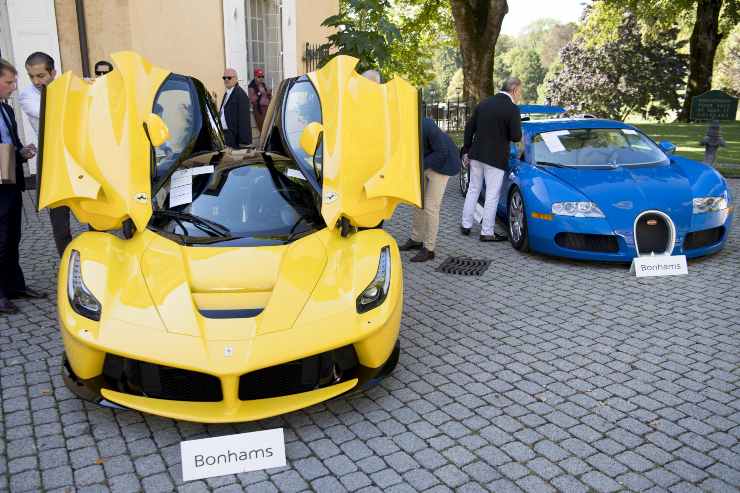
[[687, 137]]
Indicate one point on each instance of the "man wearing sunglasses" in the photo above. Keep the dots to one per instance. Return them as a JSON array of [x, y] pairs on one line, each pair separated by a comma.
[[235, 119]]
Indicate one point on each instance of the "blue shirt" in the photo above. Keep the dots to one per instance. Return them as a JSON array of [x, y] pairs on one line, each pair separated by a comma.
[[5, 134]]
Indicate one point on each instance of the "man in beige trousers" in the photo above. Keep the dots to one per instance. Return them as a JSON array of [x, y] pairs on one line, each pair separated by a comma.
[[441, 160]]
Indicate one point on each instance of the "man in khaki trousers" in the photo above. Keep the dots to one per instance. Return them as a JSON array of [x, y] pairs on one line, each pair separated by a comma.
[[441, 160]]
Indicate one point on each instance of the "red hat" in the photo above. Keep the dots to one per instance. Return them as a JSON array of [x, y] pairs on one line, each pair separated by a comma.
[[258, 72]]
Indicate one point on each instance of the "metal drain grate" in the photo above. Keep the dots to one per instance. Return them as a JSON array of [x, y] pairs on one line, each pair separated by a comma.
[[464, 266]]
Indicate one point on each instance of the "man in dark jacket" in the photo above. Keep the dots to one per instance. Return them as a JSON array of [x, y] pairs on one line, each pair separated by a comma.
[[235, 119], [12, 282], [441, 160], [495, 123]]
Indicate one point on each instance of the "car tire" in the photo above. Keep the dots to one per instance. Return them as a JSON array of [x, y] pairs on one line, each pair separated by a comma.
[[464, 178], [517, 221]]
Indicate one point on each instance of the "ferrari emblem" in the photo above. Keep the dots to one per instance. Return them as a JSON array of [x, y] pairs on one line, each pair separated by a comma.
[[331, 197], [141, 198]]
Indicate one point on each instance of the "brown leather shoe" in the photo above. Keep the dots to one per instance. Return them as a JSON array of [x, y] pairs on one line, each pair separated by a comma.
[[423, 255], [28, 293], [7, 307], [411, 245]]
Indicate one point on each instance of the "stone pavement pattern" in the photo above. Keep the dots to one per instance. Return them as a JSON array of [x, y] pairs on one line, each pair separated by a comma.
[[541, 375]]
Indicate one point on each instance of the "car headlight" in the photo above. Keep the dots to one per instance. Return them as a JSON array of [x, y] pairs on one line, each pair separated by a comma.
[[577, 209], [709, 204], [82, 300], [377, 290]]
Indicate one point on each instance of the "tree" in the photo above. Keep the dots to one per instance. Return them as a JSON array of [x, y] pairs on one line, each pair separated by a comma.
[[709, 20], [478, 24], [621, 76], [363, 30], [525, 64], [728, 72], [455, 89]]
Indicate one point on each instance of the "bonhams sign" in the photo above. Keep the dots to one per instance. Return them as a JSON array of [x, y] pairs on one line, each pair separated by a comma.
[[232, 454]]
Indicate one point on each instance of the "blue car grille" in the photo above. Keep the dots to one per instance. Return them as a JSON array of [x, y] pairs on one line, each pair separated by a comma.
[[703, 238], [588, 242]]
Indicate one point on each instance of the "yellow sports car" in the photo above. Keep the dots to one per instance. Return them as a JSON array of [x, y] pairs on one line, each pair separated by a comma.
[[242, 284]]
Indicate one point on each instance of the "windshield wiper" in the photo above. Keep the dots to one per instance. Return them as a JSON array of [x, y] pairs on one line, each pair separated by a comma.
[[205, 225], [293, 233], [557, 165]]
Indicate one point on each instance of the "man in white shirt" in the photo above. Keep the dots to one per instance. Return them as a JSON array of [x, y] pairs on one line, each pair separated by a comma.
[[41, 72]]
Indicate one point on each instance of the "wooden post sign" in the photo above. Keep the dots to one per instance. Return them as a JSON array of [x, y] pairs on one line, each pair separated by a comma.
[[713, 105]]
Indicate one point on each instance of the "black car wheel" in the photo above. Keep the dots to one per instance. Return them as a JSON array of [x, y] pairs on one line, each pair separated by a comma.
[[518, 221], [464, 178]]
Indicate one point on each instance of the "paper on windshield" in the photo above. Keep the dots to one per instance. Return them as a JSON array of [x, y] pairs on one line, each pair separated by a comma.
[[629, 131], [201, 170], [552, 140], [181, 187], [294, 173]]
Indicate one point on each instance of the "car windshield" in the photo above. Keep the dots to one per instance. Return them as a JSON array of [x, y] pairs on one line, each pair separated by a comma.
[[301, 108], [208, 199], [184, 106], [596, 147]]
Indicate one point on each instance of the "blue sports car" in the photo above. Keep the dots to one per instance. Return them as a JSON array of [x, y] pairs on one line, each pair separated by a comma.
[[593, 189]]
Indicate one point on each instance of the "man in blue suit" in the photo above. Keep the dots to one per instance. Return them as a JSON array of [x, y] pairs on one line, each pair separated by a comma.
[[12, 282], [441, 160]]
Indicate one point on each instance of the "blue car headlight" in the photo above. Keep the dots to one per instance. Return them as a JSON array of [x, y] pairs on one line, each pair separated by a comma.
[[80, 297], [377, 290], [577, 209], [709, 204]]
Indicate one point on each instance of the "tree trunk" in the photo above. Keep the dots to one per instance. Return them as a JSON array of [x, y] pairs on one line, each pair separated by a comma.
[[478, 24], [702, 47]]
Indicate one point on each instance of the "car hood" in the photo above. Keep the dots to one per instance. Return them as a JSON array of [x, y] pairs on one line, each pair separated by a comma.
[[627, 191], [200, 291]]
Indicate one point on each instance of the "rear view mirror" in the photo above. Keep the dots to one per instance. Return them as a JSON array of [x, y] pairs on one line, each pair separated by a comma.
[[156, 130], [667, 146], [310, 137]]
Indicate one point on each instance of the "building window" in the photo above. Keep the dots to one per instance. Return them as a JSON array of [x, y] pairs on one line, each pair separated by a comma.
[[264, 39]]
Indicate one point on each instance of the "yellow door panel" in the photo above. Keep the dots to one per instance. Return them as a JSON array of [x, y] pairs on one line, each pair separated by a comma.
[[371, 155], [96, 155]]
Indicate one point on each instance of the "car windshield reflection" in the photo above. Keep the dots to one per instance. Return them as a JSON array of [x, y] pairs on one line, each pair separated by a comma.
[[596, 147]]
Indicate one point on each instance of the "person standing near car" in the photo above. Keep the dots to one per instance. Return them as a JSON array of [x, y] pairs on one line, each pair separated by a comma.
[[260, 96], [496, 122], [12, 283], [235, 119], [41, 72], [441, 160]]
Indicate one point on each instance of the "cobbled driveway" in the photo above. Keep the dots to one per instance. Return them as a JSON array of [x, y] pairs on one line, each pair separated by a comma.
[[540, 375]]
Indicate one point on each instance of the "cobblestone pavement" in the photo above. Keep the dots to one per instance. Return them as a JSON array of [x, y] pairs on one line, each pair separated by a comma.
[[540, 375]]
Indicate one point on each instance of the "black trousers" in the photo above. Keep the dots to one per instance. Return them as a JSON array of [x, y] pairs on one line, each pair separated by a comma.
[[230, 138], [11, 210], [60, 226]]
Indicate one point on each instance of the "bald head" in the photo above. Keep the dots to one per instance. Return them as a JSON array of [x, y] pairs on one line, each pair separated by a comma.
[[230, 78], [373, 75]]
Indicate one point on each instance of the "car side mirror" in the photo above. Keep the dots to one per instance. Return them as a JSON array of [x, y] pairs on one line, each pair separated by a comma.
[[156, 130], [667, 146], [311, 137], [513, 152]]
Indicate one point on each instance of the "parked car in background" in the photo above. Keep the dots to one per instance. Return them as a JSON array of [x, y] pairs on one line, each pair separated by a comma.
[[593, 189]]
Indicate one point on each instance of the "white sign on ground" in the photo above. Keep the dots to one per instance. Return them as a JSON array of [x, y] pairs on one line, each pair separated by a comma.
[[232, 454], [659, 265]]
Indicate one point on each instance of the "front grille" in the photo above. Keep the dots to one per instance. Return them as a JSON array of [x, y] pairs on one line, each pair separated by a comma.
[[587, 242], [301, 375], [159, 382], [706, 237], [652, 234]]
